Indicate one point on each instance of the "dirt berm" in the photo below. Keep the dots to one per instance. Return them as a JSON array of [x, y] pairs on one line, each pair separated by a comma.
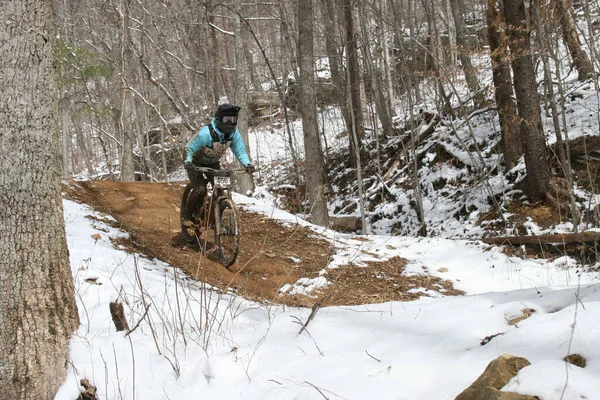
[[271, 255]]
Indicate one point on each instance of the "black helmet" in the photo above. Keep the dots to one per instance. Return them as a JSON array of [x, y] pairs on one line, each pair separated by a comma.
[[226, 117]]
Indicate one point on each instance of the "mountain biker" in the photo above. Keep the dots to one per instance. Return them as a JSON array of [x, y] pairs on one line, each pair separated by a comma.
[[206, 148]]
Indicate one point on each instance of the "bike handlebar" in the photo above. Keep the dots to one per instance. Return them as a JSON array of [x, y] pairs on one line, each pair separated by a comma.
[[213, 171]]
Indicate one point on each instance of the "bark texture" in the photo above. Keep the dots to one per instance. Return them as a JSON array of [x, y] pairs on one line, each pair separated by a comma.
[[463, 55], [308, 107], [503, 90], [581, 61], [37, 304], [353, 83], [528, 103], [245, 182]]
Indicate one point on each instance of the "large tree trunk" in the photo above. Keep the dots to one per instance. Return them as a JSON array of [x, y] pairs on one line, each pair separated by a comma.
[[581, 61], [507, 109], [528, 104], [312, 145], [38, 313]]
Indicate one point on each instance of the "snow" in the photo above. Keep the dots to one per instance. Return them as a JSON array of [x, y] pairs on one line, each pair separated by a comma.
[[197, 341]]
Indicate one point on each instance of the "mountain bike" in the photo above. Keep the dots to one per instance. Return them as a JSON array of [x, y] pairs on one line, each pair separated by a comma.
[[217, 212]]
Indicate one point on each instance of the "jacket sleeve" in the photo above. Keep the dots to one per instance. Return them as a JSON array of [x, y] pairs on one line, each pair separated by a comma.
[[239, 149], [200, 139]]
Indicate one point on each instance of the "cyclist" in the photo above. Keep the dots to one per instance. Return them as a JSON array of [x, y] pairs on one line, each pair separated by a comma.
[[206, 148]]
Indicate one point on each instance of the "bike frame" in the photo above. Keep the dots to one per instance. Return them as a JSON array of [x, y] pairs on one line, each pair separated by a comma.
[[211, 204], [211, 210]]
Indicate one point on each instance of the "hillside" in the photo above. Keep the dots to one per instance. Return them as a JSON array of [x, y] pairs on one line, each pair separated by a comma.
[[272, 254]]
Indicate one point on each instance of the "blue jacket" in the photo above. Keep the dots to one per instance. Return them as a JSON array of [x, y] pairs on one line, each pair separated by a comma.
[[203, 139]]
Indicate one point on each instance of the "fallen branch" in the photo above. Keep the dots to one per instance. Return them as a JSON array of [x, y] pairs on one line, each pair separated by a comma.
[[313, 312], [90, 391], [561, 238], [426, 128], [141, 319]]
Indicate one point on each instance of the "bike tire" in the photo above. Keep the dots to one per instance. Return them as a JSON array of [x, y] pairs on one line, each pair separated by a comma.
[[227, 232], [190, 235]]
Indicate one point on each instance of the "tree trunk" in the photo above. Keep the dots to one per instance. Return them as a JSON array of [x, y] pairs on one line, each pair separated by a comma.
[[212, 66], [562, 146], [581, 61], [372, 71], [312, 148], [433, 60], [353, 84], [528, 104], [463, 56], [127, 165], [37, 300], [245, 182], [337, 76], [507, 109]]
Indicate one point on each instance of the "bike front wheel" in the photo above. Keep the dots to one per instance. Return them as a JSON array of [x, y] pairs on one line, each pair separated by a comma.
[[227, 232]]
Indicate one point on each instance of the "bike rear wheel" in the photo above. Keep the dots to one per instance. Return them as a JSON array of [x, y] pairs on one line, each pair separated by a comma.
[[227, 232]]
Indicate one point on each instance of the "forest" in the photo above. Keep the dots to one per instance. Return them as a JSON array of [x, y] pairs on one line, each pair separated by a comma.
[[427, 174], [137, 79]]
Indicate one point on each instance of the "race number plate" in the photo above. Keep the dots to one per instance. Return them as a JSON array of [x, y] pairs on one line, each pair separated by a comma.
[[223, 181]]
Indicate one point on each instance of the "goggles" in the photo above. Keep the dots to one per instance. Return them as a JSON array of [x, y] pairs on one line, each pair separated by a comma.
[[229, 119]]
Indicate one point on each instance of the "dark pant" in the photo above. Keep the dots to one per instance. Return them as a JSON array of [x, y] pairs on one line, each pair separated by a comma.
[[198, 181]]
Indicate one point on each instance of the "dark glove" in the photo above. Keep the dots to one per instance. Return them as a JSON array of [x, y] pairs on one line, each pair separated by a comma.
[[250, 169], [189, 166]]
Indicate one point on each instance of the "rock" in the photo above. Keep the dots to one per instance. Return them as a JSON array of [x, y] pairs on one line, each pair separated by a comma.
[[495, 377], [489, 393], [345, 224], [526, 314], [576, 359], [443, 269]]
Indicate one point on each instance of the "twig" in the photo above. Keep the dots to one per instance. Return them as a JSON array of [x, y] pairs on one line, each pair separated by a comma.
[[317, 389], [141, 319], [376, 359], [314, 310]]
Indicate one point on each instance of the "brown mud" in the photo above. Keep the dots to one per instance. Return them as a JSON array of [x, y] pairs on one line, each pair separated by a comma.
[[271, 255]]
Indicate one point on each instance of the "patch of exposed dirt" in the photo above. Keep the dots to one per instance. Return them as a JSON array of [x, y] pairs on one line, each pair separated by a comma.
[[271, 255], [382, 281]]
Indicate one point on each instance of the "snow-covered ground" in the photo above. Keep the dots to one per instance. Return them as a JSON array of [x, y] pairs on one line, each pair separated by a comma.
[[197, 342]]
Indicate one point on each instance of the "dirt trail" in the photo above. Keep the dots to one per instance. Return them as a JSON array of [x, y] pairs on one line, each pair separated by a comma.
[[268, 256]]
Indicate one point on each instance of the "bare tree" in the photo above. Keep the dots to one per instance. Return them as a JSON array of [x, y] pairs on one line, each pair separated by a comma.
[[353, 84], [244, 182], [503, 89], [528, 104], [312, 146], [581, 61], [465, 61], [127, 166], [37, 301], [335, 61]]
